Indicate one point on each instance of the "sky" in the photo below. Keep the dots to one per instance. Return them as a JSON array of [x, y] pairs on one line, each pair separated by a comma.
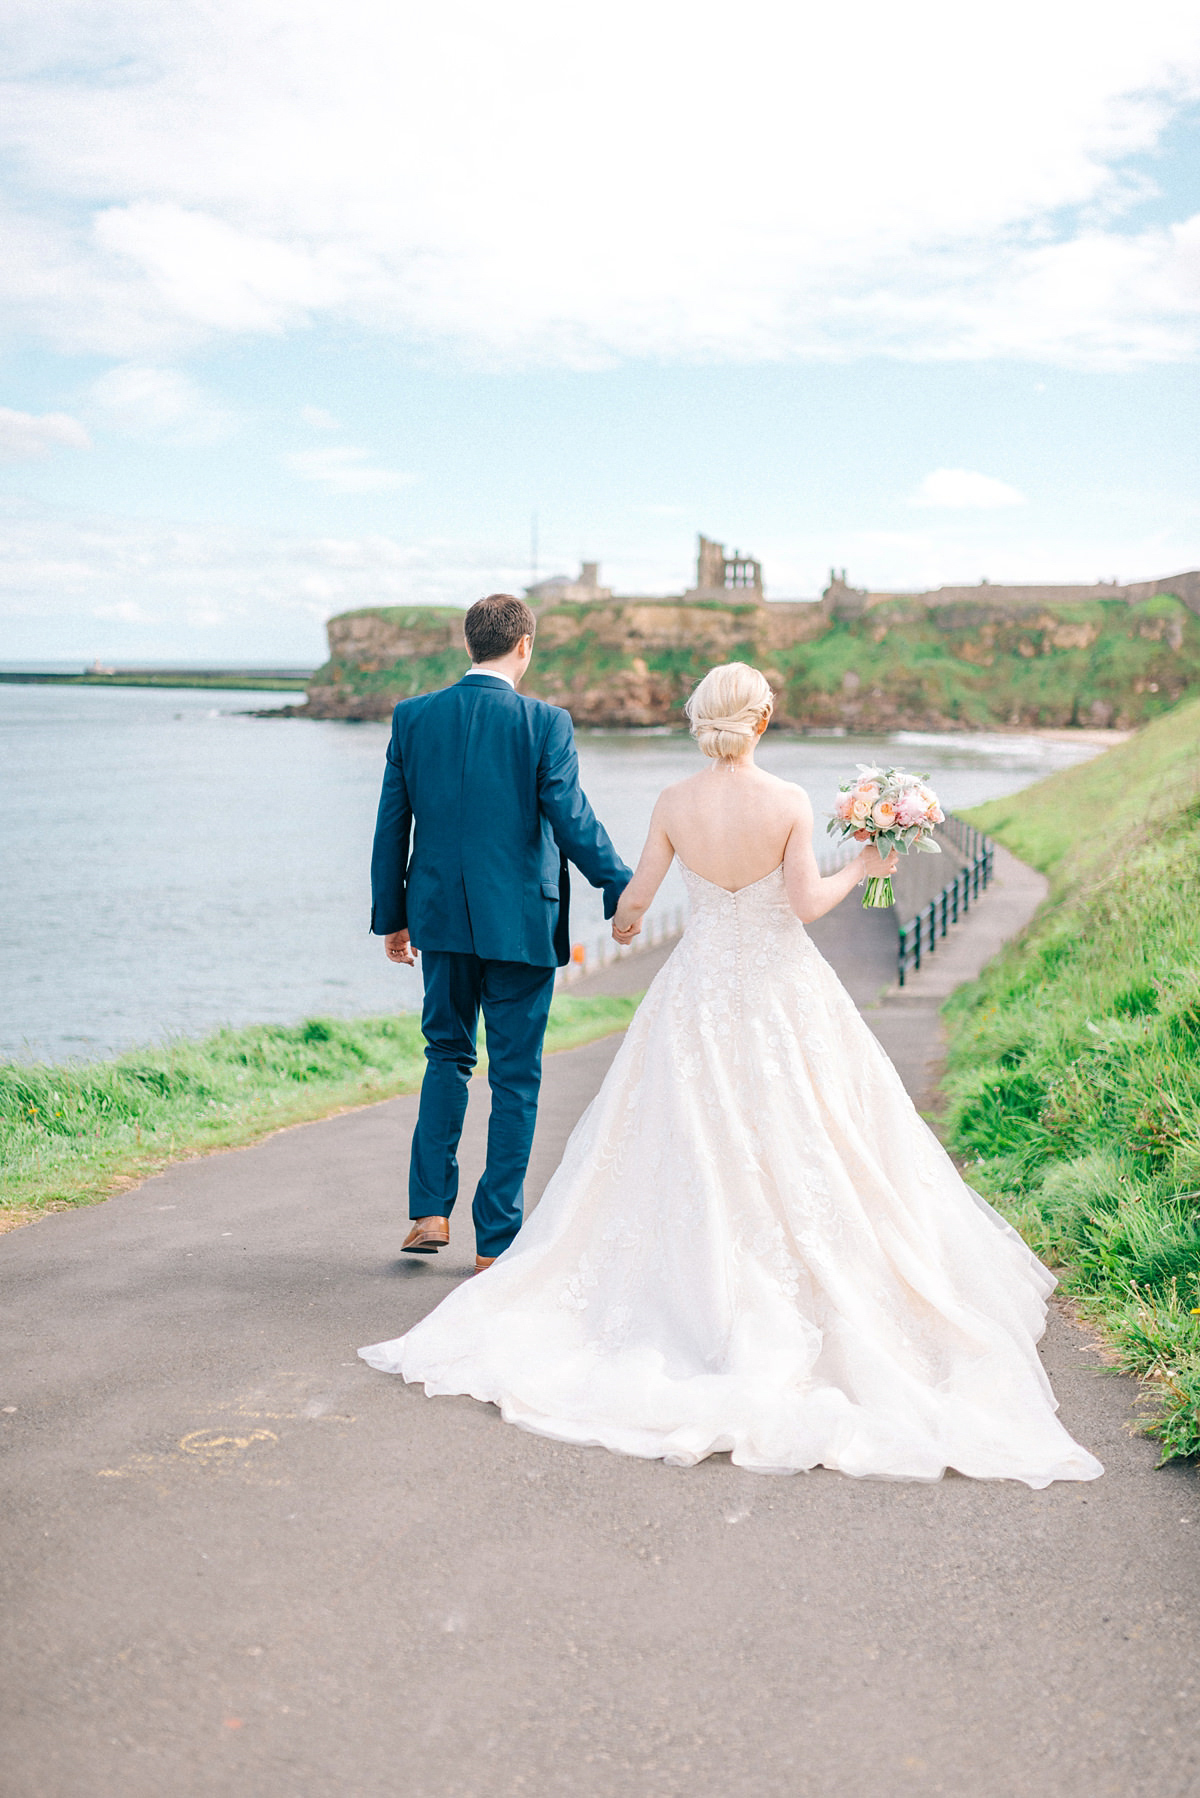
[[308, 307]]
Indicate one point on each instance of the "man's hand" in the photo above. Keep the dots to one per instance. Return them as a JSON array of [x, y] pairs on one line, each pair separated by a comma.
[[625, 936], [398, 948]]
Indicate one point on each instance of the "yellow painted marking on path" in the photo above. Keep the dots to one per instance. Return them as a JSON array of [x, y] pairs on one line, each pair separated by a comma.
[[214, 1445], [286, 1397]]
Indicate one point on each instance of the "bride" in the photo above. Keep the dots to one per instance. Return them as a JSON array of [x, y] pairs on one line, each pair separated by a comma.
[[754, 1244]]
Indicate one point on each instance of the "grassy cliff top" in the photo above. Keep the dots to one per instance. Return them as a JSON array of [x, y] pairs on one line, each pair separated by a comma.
[[405, 617], [412, 617]]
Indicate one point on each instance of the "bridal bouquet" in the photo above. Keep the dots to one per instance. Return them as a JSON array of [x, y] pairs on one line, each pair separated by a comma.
[[895, 810]]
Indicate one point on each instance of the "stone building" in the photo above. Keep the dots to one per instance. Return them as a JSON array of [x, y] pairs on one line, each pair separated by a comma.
[[719, 576], [560, 588]]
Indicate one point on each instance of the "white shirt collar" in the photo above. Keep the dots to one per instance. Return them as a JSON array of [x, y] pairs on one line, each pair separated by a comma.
[[492, 674]]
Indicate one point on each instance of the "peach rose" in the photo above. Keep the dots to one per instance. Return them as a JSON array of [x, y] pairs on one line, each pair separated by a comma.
[[860, 810], [884, 814], [844, 806]]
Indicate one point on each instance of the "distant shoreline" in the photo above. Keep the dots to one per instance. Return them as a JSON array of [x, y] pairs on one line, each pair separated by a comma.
[[231, 680]]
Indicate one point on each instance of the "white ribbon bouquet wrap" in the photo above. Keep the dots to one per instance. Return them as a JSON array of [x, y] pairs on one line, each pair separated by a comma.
[[893, 810]]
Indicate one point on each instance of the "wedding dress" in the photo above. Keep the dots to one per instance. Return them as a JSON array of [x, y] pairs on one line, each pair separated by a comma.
[[755, 1245]]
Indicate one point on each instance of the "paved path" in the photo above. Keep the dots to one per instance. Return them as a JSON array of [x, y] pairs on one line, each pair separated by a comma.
[[237, 1561]]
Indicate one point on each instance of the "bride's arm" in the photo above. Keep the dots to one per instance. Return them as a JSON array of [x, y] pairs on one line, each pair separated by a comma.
[[648, 876], [810, 893]]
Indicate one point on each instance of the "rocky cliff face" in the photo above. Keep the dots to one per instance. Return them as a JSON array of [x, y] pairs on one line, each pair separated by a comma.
[[900, 663], [383, 654]]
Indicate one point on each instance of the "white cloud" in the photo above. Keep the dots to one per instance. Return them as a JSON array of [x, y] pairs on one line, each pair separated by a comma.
[[159, 403], [317, 419], [211, 273], [27, 436], [343, 469], [124, 611], [920, 181], [961, 490], [80, 584]]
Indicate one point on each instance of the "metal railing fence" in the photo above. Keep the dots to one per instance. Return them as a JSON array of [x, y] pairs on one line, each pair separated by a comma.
[[920, 936]]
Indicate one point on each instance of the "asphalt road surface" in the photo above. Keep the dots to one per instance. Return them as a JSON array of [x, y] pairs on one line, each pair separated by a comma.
[[235, 1560]]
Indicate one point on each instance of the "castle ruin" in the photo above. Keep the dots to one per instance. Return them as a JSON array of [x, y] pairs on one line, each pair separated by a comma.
[[738, 580], [718, 576]]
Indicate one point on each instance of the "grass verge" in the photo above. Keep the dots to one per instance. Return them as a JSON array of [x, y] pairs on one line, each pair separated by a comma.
[[71, 1135], [1074, 1067]]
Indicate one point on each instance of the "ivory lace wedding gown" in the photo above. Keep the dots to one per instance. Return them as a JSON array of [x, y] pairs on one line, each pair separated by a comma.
[[754, 1244]]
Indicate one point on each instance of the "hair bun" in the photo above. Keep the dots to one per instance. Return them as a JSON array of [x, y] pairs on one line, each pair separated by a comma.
[[729, 709]]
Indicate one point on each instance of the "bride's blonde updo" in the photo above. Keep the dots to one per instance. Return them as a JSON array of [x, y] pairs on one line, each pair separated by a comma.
[[727, 709]]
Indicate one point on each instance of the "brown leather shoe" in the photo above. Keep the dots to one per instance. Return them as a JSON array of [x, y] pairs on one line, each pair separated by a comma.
[[427, 1236], [482, 1261]]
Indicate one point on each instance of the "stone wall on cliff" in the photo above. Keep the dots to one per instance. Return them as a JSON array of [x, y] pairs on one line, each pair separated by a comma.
[[1009, 601]]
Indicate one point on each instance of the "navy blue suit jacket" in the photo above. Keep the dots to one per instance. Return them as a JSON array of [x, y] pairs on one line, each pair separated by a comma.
[[490, 779]]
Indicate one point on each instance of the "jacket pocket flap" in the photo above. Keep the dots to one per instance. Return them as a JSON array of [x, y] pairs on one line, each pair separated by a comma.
[[549, 889]]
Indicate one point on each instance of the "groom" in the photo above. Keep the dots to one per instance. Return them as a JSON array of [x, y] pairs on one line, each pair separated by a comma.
[[490, 779]]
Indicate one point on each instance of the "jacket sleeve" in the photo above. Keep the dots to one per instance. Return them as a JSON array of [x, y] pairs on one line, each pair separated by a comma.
[[389, 857], [578, 832]]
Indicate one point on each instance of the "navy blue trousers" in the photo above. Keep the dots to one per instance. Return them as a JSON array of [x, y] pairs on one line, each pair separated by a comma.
[[515, 1000]]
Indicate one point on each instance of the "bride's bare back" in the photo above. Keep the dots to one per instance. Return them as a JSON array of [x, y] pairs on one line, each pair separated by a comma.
[[733, 824], [730, 824]]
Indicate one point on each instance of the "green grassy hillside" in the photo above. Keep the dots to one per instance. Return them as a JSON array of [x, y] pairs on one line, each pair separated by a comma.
[[1099, 663], [71, 1135], [1074, 1071]]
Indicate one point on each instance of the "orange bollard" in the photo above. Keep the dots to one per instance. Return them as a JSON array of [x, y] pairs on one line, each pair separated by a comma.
[[578, 954]]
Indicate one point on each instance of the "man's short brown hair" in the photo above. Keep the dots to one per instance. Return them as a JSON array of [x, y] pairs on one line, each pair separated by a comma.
[[495, 625]]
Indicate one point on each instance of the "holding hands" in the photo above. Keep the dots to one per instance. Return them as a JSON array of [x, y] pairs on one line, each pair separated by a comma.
[[627, 919]]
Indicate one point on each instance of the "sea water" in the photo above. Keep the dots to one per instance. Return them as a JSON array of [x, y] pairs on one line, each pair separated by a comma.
[[170, 862]]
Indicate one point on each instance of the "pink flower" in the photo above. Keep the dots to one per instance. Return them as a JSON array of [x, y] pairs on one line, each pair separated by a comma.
[[843, 806], [911, 810], [868, 790]]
